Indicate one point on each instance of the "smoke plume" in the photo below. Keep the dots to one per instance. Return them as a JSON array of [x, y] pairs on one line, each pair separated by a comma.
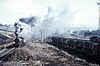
[[55, 22]]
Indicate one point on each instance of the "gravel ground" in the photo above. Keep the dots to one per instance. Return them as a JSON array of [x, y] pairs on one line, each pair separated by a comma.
[[42, 54]]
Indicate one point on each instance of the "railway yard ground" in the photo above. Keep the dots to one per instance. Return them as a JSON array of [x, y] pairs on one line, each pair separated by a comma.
[[36, 53], [42, 54]]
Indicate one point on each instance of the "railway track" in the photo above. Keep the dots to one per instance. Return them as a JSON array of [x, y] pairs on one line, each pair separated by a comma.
[[4, 53], [8, 49]]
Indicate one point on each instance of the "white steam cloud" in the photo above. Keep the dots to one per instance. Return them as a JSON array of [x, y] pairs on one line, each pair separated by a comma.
[[55, 22]]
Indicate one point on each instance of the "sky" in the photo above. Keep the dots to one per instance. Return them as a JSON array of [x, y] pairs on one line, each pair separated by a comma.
[[82, 12]]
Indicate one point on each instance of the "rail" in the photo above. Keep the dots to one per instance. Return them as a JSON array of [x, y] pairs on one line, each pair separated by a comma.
[[4, 53]]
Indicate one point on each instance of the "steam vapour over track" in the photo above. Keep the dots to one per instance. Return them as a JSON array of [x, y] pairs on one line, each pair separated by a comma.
[[52, 23]]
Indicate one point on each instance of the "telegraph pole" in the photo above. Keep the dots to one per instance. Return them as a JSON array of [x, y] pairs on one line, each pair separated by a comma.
[[99, 15]]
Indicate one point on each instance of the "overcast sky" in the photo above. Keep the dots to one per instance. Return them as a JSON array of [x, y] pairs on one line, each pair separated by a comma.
[[85, 11]]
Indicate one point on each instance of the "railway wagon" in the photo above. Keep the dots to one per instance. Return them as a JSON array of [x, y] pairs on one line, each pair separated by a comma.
[[75, 43]]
